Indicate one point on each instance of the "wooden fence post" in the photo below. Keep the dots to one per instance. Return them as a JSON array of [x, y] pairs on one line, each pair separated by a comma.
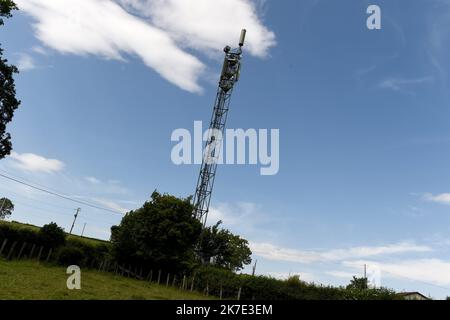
[[21, 250], [159, 276], [174, 281], [207, 289], [32, 251], [11, 250], [49, 254], [221, 292], [150, 276], [168, 279], [40, 253], [192, 283], [239, 294], [103, 266], [184, 283], [3, 246]]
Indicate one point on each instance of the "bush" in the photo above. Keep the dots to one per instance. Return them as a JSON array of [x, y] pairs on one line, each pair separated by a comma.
[[8, 232], [71, 256], [267, 288], [216, 279], [92, 253], [13, 232], [52, 236], [160, 235]]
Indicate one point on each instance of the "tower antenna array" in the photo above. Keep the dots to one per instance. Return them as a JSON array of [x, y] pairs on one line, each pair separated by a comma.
[[230, 75]]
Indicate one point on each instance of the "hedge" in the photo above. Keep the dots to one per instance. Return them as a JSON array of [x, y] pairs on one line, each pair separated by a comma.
[[70, 247], [268, 288]]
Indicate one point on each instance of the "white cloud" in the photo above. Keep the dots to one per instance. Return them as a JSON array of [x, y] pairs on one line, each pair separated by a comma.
[[208, 25], [93, 180], [243, 214], [443, 198], [435, 271], [40, 50], [26, 62], [111, 205], [399, 84], [159, 37], [103, 28], [35, 163], [340, 274], [272, 252]]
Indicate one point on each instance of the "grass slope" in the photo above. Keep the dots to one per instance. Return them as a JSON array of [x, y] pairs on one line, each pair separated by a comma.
[[28, 280], [20, 225]]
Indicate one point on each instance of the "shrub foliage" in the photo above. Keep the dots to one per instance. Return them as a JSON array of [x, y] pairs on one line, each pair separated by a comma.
[[160, 235]]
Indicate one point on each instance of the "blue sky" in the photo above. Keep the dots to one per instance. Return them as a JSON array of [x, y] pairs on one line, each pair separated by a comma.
[[363, 118]]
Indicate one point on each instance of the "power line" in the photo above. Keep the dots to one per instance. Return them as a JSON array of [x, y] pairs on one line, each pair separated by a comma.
[[60, 195], [25, 180], [46, 212], [16, 194]]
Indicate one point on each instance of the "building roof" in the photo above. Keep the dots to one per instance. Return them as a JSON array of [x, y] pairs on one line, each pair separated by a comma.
[[404, 294]]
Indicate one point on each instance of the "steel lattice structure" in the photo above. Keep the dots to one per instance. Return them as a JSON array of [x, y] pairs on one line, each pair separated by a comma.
[[230, 75]]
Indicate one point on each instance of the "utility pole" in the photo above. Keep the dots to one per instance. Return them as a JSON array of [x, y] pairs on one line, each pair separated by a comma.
[[254, 267], [75, 219], [365, 277], [82, 232], [3, 204]]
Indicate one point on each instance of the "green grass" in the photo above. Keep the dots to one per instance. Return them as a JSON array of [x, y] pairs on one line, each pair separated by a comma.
[[20, 225], [29, 280]]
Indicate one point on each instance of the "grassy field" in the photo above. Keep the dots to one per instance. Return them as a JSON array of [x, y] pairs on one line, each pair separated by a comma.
[[28, 280], [20, 225]]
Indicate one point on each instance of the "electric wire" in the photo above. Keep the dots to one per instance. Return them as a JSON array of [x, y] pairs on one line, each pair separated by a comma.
[[59, 195]]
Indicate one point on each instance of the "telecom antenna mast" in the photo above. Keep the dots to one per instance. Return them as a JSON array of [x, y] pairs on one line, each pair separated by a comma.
[[230, 75]]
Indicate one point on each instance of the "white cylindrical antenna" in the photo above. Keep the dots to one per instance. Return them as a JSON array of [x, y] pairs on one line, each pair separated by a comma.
[[242, 39]]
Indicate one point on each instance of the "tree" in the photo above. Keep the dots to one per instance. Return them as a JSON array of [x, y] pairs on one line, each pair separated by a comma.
[[52, 236], [223, 249], [8, 101], [160, 235], [6, 6], [6, 208], [358, 283]]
